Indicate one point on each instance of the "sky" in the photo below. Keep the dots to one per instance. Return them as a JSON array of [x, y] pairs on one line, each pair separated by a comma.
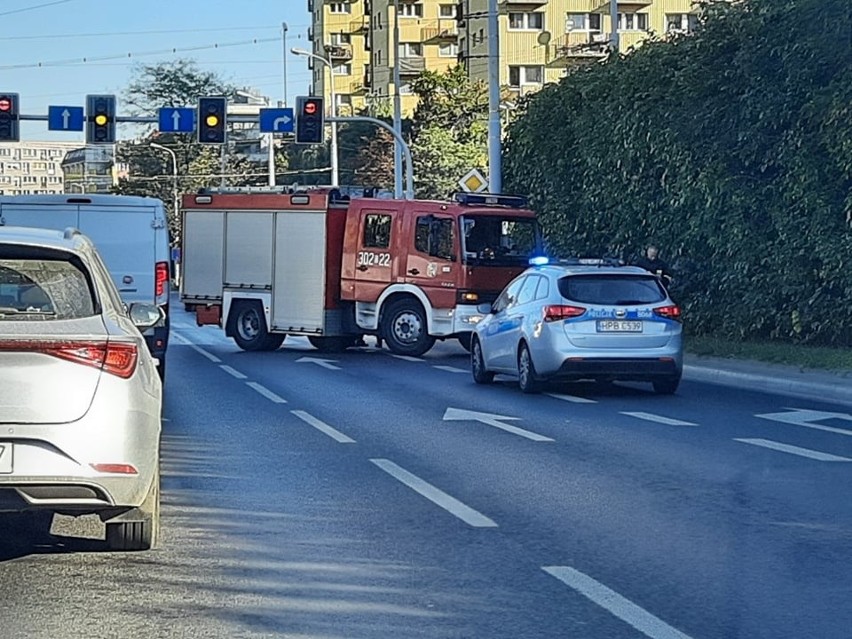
[[114, 36]]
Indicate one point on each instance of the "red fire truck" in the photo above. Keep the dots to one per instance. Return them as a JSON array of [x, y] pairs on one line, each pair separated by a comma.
[[334, 268]]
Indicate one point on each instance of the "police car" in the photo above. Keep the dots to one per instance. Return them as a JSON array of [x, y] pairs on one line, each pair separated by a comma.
[[581, 319]]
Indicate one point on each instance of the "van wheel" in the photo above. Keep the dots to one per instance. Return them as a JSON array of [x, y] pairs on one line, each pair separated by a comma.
[[336, 344], [404, 328], [249, 327]]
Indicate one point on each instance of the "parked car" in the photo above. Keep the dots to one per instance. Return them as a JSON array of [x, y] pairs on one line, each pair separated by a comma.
[[581, 319], [80, 397]]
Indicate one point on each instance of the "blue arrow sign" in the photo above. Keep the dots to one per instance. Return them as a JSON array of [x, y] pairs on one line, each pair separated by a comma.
[[176, 120], [65, 118], [276, 120]]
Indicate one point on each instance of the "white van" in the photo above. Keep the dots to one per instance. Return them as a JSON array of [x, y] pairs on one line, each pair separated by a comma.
[[130, 233]]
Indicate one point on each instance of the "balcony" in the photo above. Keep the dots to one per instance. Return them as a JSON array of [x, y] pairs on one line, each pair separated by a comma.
[[360, 86], [446, 30], [582, 44], [411, 65], [339, 52], [360, 25], [513, 4]]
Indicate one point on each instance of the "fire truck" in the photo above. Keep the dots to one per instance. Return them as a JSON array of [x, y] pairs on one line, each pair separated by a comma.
[[335, 267]]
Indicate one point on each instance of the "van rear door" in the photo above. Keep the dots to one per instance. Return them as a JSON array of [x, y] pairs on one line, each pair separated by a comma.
[[117, 232]]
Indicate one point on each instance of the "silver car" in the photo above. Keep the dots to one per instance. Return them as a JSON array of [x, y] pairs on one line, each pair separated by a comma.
[[80, 397], [581, 319]]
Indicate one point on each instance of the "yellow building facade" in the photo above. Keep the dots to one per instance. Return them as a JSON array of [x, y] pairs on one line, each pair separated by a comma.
[[539, 41]]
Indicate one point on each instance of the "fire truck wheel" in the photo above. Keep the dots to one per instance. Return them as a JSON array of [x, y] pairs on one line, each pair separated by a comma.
[[249, 328], [331, 344], [404, 328]]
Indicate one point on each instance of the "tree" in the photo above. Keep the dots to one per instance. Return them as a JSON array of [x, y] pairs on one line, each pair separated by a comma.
[[449, 130]]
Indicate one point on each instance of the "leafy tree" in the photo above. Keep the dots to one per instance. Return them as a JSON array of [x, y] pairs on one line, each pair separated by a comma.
[[731, 147], [449, 130]]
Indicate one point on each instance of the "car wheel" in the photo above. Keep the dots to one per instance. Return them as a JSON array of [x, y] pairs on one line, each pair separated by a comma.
[[481, 375], [336, 344], [142, 534], [249, 327], [666, 386], [464, 340], [527, 377], [404, 328]]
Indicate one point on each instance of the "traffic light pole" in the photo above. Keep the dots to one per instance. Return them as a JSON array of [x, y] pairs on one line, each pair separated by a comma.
[[409, 170]]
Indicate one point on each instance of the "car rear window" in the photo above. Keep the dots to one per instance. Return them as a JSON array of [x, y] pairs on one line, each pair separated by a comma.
[[612, 290], [46, 285]]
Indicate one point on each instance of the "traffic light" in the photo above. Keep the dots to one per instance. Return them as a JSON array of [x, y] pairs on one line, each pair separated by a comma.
[[100, 119], [212, 120], [9, 116], [310, 120]]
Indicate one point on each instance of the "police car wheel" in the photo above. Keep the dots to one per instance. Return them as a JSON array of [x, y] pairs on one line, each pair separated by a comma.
[[481, 375]]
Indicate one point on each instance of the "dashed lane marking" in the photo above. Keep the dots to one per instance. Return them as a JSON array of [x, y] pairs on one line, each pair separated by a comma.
[[794, 450], [650, 417], [323, 427], [268, 394]]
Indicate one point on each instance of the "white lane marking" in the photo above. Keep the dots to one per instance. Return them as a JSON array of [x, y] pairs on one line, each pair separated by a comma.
[[460, 415], [794, 450], [451, 369], [658, 418], [268, 394], [572, 398], [232, 371], [196, 348], [805, 417], [323, 427], [325, 363], [436, 496], [407, 358], [621, 607]]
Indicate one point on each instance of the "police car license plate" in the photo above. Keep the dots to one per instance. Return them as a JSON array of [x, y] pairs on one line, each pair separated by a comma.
[[619, 326], [6, 458]]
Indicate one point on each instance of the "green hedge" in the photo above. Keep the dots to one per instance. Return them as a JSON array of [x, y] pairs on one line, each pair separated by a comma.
[[731, 148]]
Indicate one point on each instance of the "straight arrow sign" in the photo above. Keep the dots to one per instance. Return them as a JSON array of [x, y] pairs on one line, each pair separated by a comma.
[[460, 415], [325, 363]]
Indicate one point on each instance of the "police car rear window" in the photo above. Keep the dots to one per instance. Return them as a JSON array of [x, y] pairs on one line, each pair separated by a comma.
[[612, 290]]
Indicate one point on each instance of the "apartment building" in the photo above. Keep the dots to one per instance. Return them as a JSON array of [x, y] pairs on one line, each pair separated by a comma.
[[32, 168], [541, 39]]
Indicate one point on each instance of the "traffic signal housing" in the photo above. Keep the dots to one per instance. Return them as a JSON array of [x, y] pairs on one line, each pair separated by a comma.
[[9, 117], [100, 119], [212, 120], [310, 120]]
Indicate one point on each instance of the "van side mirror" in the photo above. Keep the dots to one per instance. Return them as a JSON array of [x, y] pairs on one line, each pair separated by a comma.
[[144, 316]]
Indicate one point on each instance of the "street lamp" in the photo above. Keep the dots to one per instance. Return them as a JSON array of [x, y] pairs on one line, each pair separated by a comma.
[[327, 62], [175, 194]]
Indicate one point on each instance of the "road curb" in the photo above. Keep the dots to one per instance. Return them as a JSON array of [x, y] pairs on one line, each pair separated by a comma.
[[839, 391]]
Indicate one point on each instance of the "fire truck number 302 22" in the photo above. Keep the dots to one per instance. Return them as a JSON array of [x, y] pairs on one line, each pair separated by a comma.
[[366, 258]]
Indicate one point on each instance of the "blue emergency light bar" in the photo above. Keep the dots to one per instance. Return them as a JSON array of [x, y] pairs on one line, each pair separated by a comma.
[[490, 199]]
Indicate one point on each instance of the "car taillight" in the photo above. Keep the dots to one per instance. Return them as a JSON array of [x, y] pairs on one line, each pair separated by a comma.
[[561, 312], [669, 312], [161, 277], [116, 358]]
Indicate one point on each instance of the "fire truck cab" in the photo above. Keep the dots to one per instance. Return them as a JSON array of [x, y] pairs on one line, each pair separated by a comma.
[[335, 268]]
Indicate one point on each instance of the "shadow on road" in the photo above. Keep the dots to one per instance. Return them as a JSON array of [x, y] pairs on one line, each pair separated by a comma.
[[27, 534]]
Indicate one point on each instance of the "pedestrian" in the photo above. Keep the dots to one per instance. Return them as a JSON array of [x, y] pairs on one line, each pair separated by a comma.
[[652, 262]]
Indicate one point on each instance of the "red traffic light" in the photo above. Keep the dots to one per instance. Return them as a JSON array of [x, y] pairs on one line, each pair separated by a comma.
[[310, 108], [5, 104]]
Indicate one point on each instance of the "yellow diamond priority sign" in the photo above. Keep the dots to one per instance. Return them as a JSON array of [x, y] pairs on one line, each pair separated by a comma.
[[473, 182]]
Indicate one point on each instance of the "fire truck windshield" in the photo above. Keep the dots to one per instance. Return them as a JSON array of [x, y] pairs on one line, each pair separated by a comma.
[[498, 240]]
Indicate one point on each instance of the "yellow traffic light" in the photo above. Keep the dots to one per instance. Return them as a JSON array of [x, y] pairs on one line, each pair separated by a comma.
[[212, 120], [101, 119]]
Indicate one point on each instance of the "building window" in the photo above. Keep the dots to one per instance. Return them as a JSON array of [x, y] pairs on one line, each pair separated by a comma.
[[406, 89], [339, 7], [342, 69], [410, 50], [681, 22], [448, 50], [344, 101], [410, 10], [633, 21], [447, 11], [519, 75], [338, 39], [583, 22], [526, 21], [377, 228]]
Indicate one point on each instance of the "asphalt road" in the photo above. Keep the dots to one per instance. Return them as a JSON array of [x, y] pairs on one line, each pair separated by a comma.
[[363, 495]]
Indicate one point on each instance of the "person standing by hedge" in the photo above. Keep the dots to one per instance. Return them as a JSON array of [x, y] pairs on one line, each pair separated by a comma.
[[652, 262]]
